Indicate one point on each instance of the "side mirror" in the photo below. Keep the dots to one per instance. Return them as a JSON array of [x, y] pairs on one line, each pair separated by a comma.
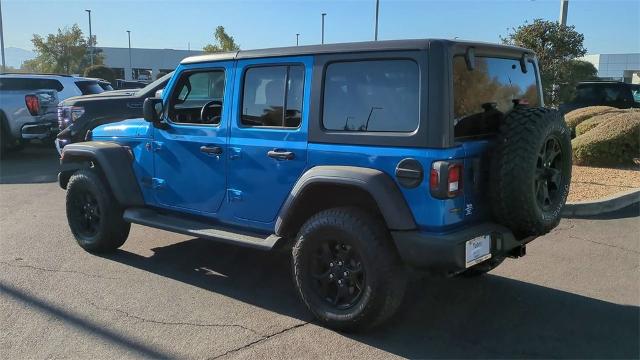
[[159, 93], [152, 108]]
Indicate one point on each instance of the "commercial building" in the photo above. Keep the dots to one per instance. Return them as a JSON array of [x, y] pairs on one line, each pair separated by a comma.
[[622, 67], [145, 64]]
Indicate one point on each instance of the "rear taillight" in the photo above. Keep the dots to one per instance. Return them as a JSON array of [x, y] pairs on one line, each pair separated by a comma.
[[454, 180], [33, 104], [445, 180]]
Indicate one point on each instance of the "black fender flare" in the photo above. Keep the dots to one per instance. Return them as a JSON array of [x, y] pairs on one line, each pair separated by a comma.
[[115, 161], [379, 185]]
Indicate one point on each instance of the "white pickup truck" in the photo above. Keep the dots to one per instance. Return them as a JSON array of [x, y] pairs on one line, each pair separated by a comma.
[[28, 105]]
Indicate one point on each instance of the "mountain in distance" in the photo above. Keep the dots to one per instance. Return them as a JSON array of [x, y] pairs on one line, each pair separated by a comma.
[[14, 56]]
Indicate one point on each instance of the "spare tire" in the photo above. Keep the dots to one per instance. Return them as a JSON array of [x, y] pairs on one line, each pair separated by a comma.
[[531, 171]]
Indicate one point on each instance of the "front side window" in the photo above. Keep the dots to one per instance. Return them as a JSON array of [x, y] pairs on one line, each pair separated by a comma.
[[372, 95], [493, 84], [272, 96], [198, 98]]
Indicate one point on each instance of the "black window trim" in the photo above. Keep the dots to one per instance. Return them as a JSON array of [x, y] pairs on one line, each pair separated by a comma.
[[188, 72], [286, 92], [392, 133], [415, 138]]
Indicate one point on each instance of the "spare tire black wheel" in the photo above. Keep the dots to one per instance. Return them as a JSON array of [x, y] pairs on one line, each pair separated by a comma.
[[531, 171]]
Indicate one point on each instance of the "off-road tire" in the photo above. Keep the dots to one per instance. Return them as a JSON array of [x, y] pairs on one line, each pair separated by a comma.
[[384, 274], [482, 268], [110, 231], [516, 169]]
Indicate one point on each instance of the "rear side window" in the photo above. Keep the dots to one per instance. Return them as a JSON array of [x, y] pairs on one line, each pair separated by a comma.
[[372, 95], [272, 96], [89, 87], [26, 84], [494, 81]]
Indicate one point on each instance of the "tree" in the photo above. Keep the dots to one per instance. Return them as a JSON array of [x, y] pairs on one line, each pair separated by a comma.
[[66, 52], [555, 46], [100, 72], [224, 42]]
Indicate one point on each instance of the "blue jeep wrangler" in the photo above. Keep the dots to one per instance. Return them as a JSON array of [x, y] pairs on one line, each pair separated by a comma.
[[362, 159]]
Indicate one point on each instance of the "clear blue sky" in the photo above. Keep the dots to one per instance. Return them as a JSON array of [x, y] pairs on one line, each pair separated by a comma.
[[609, 26]]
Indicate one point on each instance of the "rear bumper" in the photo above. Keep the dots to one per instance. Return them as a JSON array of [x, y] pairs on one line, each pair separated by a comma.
[[446, 252], [40, 130]]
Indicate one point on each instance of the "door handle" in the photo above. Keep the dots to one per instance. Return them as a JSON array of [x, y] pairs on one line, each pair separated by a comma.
[[281, 154], [211, 150]]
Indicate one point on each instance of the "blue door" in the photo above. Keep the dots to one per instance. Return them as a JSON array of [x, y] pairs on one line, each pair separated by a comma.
[[268, 138], [190, 162]]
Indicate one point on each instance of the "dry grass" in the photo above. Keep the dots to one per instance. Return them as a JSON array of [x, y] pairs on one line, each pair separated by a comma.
[[592, 183]]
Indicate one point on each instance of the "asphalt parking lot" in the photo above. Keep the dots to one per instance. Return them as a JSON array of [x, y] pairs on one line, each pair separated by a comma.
[[575, 295]]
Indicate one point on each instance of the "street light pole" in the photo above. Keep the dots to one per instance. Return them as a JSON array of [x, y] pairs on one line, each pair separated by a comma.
[[377, 12], [297, 36], [4, 65], [323, 15], [130, 66], [90, 38], [564, 8]]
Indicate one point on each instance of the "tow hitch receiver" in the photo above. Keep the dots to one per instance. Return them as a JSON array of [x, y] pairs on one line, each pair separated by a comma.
[[519, 251]]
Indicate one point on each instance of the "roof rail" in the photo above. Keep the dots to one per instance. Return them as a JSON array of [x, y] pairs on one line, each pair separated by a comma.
[[45, 74]]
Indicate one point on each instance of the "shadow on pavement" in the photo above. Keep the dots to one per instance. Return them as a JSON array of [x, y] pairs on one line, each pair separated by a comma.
[[630, 211], [80, 323], [36, 163], [491, 316]]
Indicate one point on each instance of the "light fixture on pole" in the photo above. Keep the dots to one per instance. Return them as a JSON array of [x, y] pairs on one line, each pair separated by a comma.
[[564, 8], [323, 15], [130, 66], [297, 37], [90, 38]]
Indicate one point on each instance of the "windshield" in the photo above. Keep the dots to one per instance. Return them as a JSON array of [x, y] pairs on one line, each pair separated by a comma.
[[156, 85]]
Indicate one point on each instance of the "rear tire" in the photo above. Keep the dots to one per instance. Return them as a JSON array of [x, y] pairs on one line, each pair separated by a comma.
[[531, 171], [94, 216], [346, 270]]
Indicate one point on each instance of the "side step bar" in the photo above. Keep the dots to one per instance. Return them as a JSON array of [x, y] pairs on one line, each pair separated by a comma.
[[197, 228]]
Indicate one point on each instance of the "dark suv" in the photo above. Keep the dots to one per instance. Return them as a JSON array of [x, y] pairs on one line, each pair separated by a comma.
[[604, 93], [361, 159]]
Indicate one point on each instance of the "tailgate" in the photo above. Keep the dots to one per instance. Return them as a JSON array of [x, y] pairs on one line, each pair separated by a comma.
[[476, 177]]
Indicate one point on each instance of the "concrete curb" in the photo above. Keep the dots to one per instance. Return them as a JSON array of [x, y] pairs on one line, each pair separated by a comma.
[[602, 206]]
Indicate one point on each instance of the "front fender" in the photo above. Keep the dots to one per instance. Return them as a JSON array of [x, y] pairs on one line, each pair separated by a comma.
[[376, 183], [115, 162]]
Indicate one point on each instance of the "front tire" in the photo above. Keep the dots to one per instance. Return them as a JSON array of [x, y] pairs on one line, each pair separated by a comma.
[[346, 270], [94, 216]]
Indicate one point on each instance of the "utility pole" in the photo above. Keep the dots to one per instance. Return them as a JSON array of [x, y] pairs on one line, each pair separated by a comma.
[[130, 66], [297, 37], [4, 65], [323, 15], [377, 13], [564, 8], [90, 38]]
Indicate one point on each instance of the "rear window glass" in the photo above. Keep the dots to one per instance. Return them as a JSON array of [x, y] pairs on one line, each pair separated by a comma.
[[494, 81], [373, 95], [89, 87], [24, 84]]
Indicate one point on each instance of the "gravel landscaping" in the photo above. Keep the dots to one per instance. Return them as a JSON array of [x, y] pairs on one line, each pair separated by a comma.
[[591, 183]]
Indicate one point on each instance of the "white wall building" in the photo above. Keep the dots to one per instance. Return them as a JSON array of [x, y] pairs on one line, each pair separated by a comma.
[[144, 62], [623, 67]]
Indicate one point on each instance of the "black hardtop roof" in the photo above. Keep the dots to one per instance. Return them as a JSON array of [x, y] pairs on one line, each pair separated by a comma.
[[367, 46]]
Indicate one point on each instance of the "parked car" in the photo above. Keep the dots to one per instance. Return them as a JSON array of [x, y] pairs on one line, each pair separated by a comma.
[[28, 104], [607, 93], [362, 159], [80, 114]]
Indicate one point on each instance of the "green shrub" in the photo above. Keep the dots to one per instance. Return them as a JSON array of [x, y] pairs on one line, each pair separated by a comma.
[[615, 141], [575, 117], [592, 122], [100, 72]]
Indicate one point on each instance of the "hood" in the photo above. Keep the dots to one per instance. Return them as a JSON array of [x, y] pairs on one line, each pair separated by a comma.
[[124, 129], [125, 94]]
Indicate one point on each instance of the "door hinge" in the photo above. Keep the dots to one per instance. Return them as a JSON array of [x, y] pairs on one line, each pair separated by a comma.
[[157, 183], [154, 146], [234, 195], [234, 153]]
